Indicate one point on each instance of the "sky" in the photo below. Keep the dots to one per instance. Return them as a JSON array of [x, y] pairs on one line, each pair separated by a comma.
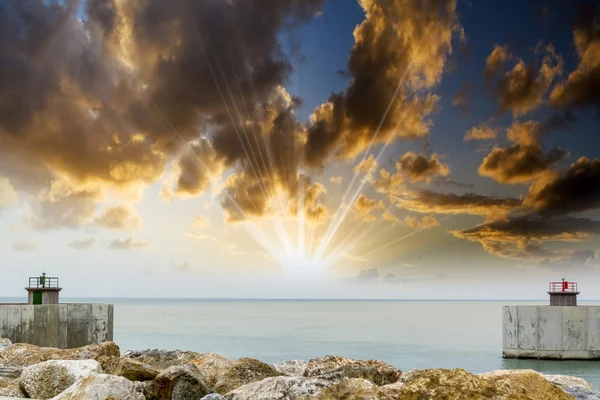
[[408, 149]]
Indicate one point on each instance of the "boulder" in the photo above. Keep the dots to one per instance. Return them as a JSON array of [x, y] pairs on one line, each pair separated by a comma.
[[110, 364], [10, 388], [102, 386], [4, 343], [136, 371], [458, 384], [213, 396], [212, 366], [568, 382], [10, 371], [583, 394], [242, 372], [50, 378], [328, 364], [354, 371], [179, 382], [162, 359], [22, 354], [350, 389], [291, 367], [279, 388]]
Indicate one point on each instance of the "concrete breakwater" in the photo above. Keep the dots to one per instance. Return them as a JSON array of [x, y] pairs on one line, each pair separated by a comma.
[[66, 325], [551, 332], [100, 371]]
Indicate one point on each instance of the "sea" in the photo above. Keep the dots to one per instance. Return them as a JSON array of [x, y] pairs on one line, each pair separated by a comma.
[[405, 333]]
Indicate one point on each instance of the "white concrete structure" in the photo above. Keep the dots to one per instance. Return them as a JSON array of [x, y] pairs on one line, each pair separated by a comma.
[[551, 332], [66, 325]]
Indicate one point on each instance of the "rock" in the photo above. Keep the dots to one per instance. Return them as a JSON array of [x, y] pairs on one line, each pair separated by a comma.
[[110, 364], [356, 371], [583, 394], [22, 354], [49, 378], [458, 384], [4, 343], [10, 388], [328, 364], [212, 366], [279, 388], [102, 386], [242, 372], [568, 382], [213, 396], [291, 367], [137, 371], [162, 359], [350, 389], [10, 371], [179, 382]]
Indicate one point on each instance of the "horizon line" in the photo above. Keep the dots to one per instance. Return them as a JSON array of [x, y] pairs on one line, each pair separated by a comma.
[[290, 298]]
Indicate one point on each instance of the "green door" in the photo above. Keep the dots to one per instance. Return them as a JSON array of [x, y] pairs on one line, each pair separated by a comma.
[[37, 297]]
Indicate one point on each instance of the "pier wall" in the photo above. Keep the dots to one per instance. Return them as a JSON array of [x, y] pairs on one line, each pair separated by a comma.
[[551, 332], [57, 325]]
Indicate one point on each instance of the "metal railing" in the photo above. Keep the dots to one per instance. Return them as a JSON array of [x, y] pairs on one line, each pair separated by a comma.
[[43, 282], [563, 286]]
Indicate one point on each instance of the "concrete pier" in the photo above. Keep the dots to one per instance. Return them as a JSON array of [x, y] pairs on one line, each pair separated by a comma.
[[551, 332], [57, 325]]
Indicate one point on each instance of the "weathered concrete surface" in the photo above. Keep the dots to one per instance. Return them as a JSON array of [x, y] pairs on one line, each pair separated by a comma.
[[62, 326], [550, 332]]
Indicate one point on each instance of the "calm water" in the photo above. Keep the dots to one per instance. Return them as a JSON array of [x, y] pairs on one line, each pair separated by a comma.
[[407, 334]]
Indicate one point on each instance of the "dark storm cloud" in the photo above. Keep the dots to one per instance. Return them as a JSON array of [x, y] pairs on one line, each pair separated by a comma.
[[582, 87], [576, 189], [522, 88], [427, 202], [111, 98], [420, 168], [400, 41], [523, 161], [523, 237]]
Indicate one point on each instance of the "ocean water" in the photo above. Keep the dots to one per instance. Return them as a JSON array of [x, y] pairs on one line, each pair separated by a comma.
[[407, 334]]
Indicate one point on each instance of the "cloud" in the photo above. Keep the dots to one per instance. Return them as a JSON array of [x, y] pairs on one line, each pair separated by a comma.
[[427, 202], [582, 87], [522, 237], [82, 244], [519, 163], [121, 92], [336, 179], [444, 180], [401, 44], [119, 217], [389, 216], [363, 206], [366, 165], [461, 99], [481, 132], [427, 221], [522, 88], [181, 267], [575, 189], [8, 196], [127, 244], [64, 206], [201, 222], [420, 168], [24, 246], [523, 161]]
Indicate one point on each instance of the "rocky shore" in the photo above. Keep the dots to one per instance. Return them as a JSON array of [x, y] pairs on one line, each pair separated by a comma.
[[101, 372]]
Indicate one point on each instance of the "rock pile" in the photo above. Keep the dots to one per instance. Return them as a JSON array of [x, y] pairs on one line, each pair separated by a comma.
[[101, 372]]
